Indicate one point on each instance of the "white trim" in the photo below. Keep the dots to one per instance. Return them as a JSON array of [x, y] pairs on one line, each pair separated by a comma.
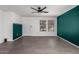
[[68, 42], [1, 42], [14, 39], [17, 38], [10, 40]]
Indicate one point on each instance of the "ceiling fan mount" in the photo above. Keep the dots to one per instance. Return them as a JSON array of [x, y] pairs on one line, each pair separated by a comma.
[[39, 10]]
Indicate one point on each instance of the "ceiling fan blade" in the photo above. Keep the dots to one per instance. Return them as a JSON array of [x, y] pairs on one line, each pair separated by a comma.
[[44, 11], [34, 9], [34, 12], [44, 8]]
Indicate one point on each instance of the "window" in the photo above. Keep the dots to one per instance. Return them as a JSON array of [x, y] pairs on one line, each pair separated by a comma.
[[50, 25], [42, 25], [47, 25]]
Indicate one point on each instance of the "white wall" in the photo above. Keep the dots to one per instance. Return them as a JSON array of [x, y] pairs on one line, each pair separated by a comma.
[[9, 19], [35, 29], [6, 24], [1, 26]]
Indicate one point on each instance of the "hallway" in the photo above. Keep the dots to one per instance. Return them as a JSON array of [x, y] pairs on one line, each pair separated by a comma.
[[38, 45]]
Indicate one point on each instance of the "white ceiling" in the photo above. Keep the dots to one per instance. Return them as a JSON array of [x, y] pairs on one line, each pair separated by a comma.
[[25, 10]]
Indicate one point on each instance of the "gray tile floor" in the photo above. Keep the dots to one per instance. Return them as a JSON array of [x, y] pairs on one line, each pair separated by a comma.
[[38, 45]]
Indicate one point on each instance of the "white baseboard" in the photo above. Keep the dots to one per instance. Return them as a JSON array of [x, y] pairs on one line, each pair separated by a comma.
[[40, 35], [14, 39], [1, 42], [68, 42], [17, 38]]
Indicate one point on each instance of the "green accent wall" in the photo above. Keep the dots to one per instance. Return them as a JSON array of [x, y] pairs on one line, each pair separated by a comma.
[[17, 30], [68, 25]]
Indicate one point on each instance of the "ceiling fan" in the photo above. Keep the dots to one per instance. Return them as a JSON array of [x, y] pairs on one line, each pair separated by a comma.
[[39, 10]]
